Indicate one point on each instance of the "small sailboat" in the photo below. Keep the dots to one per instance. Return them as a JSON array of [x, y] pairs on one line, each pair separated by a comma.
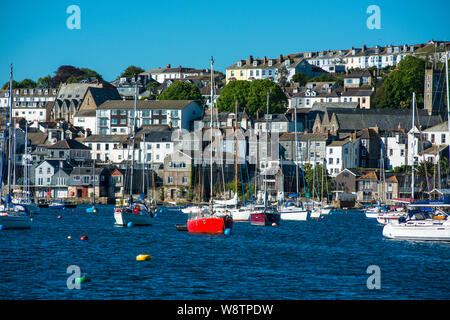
[[92, 208], [134, 211], [210, 222], [291, 210], [264, 215], [12, 216]]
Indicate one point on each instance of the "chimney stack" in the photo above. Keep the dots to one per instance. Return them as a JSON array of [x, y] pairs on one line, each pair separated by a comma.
[[251, 59], [281, 58], [168, 66]]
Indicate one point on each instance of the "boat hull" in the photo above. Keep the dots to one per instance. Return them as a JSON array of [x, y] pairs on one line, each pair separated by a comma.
[[315, 213], [209, 225], [294, 215], [432, 232], [123, 218], [15, 222], [241, 216], [264, 218]]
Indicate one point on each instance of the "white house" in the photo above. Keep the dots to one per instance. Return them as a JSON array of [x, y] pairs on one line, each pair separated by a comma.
[[117, 116], [341, 155], [394, 144]]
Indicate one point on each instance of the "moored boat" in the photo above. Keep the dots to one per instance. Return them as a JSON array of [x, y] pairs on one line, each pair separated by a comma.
[[419, 225], [209, 223], [264, 216], [136, 212], [15, 217], [292, 212]]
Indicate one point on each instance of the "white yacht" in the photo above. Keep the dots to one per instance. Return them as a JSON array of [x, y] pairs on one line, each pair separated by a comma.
[[420, 225], [290, 211]]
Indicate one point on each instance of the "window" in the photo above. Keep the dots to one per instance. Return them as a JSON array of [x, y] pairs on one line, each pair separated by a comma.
[[48, 170], [443, 138], [167, 145], [330, 161], [402, 152], [114, 112], [184, 180], [114, 121], [123, 121], [107, 146], [123, 112], [169, 179], [98, 146], [158, 146]]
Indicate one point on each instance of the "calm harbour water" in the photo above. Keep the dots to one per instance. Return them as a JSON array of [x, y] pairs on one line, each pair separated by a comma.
[[325, 259]]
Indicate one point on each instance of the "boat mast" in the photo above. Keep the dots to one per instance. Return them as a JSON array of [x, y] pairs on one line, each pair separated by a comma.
[[133, 141], [413, 149], [8, 121], [236, 151], [448, 98], [93, 182], [267, 152], [296, 153], [25, 168], [211, 128]]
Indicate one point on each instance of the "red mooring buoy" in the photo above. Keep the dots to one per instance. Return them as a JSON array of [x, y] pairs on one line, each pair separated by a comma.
[[83, 237]]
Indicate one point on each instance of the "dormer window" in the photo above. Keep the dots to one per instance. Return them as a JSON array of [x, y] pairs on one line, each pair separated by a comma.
[[288, 63], [255, 63], [239, 63], [270, 63]]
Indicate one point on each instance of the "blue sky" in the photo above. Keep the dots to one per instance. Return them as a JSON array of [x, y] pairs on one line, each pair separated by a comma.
[[115, 34]]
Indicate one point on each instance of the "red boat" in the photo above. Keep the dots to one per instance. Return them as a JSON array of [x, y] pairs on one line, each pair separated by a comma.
[[209, 224], [264, 217]]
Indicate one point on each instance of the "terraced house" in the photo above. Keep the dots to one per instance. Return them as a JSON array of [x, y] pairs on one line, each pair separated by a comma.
[[117, 116]]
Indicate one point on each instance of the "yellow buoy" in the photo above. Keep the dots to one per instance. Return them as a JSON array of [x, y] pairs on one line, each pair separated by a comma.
[[143, 257]]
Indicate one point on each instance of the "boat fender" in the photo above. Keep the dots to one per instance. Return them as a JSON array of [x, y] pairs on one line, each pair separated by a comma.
[[59, 217], [274, 224], [136, 209], [143, 257], [117, 210]]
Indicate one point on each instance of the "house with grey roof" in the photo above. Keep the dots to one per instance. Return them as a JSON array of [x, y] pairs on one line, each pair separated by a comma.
[[69, 150]]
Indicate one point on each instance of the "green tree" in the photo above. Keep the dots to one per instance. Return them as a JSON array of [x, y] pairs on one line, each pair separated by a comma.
[[403, 81], [131, 71], [301, 78], [328, 77], [45, 82], [252, 96], [180, 90]]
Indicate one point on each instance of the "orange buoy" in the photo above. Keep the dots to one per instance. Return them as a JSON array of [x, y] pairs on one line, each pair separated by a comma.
[[83, 237]]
